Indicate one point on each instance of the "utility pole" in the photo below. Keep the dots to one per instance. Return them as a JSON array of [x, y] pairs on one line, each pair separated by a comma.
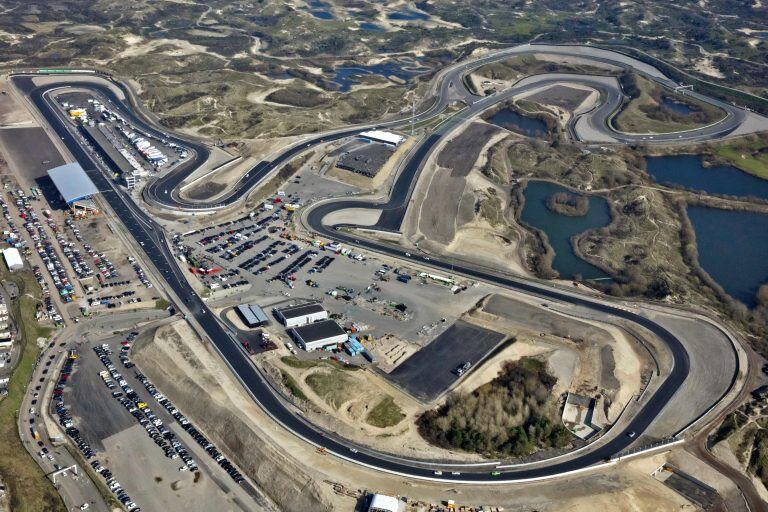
[[413, 114]]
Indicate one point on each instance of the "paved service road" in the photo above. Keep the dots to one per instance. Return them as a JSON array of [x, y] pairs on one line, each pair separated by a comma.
[[152, 239]]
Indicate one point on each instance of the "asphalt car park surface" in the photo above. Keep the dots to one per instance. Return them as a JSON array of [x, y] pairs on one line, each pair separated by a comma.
[[137, 462], [431, 371], [31, 150], [91, 405]]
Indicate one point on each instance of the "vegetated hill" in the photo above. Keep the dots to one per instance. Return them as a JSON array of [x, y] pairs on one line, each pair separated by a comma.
[[652, 109], [572, 205], [514, 414], [296, 98]]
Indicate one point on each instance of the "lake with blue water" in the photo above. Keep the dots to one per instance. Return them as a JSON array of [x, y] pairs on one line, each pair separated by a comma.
[[560, 228], [733, 249], [688, 171]]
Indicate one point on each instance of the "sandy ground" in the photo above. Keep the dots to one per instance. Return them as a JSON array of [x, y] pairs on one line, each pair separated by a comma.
[[590, 373], [480, 244], [366, 389], [137, 46], [703, 472], [252, 153], [564, 113], [577, 61], [447, 224], [492, 367], [218, 156], [707, 67], [12, 113], [500, 84], [358, 216], [723, 451]]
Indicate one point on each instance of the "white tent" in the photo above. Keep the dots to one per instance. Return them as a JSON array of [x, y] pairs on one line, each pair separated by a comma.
[[13, 259]]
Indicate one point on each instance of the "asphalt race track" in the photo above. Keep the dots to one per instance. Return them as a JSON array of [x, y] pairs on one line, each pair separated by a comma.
[[164, 191], [152, 240]]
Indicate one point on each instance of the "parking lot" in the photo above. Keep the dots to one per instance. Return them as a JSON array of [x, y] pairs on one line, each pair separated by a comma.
[[434, 369], [253, 259], [147, 446], [78, 261]]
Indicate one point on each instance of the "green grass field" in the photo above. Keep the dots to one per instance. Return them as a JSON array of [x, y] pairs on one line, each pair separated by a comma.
[[292, 386], [386, 414], [332, 387], [746, 156], [29, 489]]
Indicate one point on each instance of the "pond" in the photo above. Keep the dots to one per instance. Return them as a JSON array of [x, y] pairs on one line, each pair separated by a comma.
[[688, 171], [732, 248], [320, 10], [676, 106], [511, 120], [346, 77], [371, 27], [407, 15], [560, 228]]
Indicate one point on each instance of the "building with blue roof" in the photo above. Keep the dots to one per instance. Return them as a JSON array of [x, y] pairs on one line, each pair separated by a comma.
[[74, 186]]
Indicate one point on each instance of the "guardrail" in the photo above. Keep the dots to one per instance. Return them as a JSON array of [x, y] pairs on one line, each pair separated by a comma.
[[641, 450]]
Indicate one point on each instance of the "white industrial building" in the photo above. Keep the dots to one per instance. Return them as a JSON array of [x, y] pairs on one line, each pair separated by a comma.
[[293, 316], [389, 138], [13, 259], [384, 503], [318, 335]]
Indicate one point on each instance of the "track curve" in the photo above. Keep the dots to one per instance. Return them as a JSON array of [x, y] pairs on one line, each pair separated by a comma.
[[450, 86]]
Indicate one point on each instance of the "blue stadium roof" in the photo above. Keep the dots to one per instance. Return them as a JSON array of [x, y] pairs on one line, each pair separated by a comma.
[[72, 182]]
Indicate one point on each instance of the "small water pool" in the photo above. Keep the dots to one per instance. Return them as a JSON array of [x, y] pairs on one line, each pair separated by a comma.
[[511, 120], [346, 77], [320, 10], [371, 27], [407, 15], [676, 106]]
